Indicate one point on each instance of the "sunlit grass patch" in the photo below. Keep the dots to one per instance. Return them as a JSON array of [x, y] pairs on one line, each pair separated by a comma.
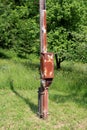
[[18, 110], [72, 78], [19, 82], [17, 74]]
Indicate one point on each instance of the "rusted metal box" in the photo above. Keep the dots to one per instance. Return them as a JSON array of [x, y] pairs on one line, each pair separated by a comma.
[[47, 66]]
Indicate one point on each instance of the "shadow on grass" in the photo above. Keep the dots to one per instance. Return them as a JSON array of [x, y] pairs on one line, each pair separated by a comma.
[[31, 65], [73, 85], [3, 56], [62, 98], [32, 106]]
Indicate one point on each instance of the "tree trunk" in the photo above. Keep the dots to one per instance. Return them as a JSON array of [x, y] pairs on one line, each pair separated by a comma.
[[57, 61]]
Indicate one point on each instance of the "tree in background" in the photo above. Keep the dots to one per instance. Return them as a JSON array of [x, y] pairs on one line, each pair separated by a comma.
[[19, 26], [65, 34], [66, 27]]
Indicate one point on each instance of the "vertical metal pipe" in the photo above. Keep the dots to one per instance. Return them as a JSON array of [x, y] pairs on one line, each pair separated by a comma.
[[45, 103], [44, 63], [42, 98], [43, 45]]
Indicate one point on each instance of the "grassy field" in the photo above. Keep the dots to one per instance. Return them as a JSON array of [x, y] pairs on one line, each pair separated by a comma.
[[19, 82]]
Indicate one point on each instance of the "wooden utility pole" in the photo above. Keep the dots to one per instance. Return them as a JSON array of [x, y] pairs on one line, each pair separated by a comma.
[[46, 65]]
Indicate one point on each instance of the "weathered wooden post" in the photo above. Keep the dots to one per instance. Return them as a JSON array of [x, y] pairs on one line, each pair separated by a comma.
[[46, 65]]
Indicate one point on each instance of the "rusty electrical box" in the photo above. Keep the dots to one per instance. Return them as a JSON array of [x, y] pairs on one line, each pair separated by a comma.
[[47, 66]]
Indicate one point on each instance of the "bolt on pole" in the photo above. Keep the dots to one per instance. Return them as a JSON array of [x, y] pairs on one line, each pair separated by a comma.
[[46, 65]]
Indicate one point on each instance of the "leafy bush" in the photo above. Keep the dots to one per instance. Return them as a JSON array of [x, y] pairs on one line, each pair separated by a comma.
[[66, 27]]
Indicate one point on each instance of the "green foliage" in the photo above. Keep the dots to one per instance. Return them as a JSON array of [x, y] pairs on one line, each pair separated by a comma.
[[18, 30], [66, 27]]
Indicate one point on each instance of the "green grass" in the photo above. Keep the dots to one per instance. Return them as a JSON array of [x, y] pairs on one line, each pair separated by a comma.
[[22, 74], [19, 82]]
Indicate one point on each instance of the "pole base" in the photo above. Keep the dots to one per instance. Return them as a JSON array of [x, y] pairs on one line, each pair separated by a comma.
[[43, 102]]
